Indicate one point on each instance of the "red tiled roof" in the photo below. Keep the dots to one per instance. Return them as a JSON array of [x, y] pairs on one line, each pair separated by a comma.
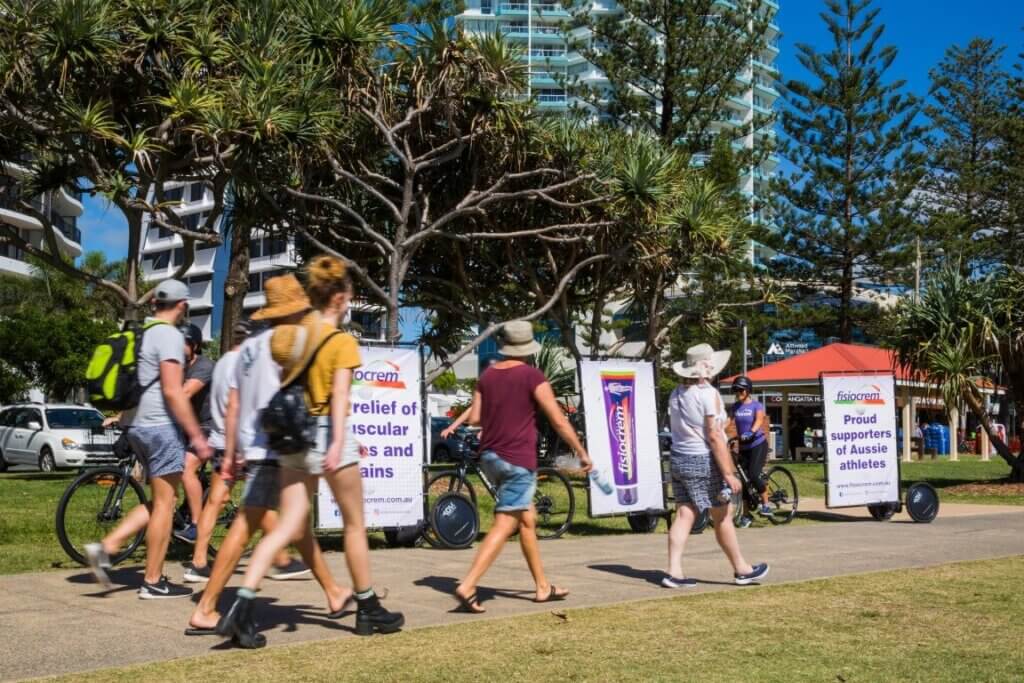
[[831, 358]]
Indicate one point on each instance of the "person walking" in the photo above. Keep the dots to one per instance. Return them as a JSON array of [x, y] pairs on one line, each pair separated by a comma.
[[325, 359], [198, 379], [748, 423], [254, 382], [154, 431], [701, 465], [505, 405]]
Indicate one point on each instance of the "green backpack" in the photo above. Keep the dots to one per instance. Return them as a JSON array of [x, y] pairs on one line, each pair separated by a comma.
[[112, 378]]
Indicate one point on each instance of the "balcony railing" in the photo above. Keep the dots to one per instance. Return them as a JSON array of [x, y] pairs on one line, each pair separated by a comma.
[[523, 29], [535, 6], [68, 226]]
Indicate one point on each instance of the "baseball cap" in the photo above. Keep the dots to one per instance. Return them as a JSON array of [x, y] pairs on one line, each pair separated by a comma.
[[170, 291]]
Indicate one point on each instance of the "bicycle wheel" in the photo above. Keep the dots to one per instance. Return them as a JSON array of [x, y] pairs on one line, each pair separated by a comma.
[[440, 484], [94, 503], [782, 495], [555, 503], [455, 521]]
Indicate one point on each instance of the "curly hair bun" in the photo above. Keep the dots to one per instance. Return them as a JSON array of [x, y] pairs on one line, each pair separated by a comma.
[[326, 271]]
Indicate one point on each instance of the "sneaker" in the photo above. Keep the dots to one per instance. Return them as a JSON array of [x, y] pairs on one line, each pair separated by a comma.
[[163, 590], [766, 510], [186, 535], [371, 616], [760, 571], [99, 562], [744, 522], [295, 569], [194, 574], [672, 582]]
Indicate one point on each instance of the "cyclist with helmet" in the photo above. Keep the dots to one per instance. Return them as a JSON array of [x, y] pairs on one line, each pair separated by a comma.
[[198, 376], [749, 423]]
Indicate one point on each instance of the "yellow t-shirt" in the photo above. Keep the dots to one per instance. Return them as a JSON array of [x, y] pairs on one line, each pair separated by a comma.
[[340, 351]]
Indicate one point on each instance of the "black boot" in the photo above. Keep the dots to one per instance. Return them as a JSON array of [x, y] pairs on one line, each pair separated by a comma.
[[239, 625], [371, 616]]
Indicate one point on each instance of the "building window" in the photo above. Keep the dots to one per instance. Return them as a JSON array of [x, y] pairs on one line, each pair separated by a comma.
[[369, 324], [486, 7], [196, 191], [174, 194], [179, 256], [163, 233], [255, 282], [203, 246], [191, 221], [160, 260], [199, 279], [256, 248]]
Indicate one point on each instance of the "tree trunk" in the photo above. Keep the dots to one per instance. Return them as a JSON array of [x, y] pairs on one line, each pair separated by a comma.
[[977, 407], [237, 284], [132, 311], [845, 303]]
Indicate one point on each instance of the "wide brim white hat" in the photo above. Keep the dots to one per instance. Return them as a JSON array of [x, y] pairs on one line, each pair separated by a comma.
[[702, 361]]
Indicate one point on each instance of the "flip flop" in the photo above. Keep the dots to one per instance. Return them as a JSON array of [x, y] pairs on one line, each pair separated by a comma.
[[553, 595], [466, 604], [343, 610], [195, 631]]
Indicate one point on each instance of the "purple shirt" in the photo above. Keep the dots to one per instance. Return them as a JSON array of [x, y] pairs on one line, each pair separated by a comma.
[[508, 414], [745, 414]]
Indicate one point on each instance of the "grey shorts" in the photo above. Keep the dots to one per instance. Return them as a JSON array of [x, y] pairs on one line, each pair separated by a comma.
[[262, 485], [161, 449], [696, 481], [312, 461]]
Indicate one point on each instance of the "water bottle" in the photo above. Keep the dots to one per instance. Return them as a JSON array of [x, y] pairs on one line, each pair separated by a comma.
[[601, 482], [725, 495]]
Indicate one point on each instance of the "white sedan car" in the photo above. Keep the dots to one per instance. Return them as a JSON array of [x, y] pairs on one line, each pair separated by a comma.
[[54, 436]]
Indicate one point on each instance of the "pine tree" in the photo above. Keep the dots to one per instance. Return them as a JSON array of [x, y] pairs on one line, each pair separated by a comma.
[[670, 65], [1007, 236], [959, 197], [853, 142]]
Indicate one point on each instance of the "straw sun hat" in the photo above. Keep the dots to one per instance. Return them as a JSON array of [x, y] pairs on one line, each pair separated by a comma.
[[285, 297], [702, 361], [518, 341]]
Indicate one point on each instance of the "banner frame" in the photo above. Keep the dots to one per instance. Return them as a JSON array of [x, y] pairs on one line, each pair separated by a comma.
[[824, 459], [326, 531], [583, 413]]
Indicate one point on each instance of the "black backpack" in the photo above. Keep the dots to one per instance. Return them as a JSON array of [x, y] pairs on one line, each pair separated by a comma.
[[286, 420]]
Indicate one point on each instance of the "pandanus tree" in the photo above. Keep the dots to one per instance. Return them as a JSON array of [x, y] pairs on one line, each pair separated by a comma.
[[956, 333]]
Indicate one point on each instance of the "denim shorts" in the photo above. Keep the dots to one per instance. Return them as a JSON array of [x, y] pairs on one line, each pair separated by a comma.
[[312, 461], [515, 484], [262, 485], [161, 449]]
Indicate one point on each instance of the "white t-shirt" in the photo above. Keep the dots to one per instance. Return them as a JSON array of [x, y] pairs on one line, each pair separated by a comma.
[[257, 378], [687, 408], [219, 396], [160, 342]]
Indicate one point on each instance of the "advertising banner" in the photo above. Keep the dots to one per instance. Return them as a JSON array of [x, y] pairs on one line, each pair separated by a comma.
[[622, 436], [862, 467], [387, 421]]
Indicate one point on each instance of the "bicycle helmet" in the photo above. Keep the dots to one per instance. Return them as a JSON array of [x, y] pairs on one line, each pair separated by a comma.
[[193, 335], [742, 383]]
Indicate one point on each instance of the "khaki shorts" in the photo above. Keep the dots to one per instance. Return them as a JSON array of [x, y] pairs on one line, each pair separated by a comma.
[[312, 461]]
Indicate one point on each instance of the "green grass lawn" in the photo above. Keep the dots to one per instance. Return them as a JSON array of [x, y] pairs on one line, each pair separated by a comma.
[[940, 473], [955, 622]]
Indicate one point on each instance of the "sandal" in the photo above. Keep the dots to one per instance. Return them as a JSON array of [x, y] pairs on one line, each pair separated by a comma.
[[553, 595], [469, 604]]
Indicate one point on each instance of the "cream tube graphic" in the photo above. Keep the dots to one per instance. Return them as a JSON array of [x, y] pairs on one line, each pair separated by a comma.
[[618, 387]]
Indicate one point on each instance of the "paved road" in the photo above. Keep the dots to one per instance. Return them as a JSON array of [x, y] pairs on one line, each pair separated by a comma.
[[57, 622]]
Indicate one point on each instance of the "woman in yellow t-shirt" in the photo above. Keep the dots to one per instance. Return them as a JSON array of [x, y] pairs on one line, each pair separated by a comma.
[[334, 455]]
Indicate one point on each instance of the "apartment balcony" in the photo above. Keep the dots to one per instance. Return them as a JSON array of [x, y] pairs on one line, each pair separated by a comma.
[[765, 66], [70, 201], [553, 55], [553, 9], [766, 88], [550, 34]]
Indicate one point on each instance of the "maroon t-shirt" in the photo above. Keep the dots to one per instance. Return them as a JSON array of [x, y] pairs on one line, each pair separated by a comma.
[[508, 415]]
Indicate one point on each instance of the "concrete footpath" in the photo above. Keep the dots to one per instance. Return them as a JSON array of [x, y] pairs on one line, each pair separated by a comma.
[[58, 622]]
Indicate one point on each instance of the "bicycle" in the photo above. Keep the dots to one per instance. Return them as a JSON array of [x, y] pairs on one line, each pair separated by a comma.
[[783, 496], [553, 499], [98, 499]]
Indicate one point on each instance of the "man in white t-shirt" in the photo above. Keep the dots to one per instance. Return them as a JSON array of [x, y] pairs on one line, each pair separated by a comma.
[[255, 381], [220, 490], [701, 466]]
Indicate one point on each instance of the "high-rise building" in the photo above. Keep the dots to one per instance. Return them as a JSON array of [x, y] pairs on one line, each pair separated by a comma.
[[62, 207], [269, 255], [540, 27]]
